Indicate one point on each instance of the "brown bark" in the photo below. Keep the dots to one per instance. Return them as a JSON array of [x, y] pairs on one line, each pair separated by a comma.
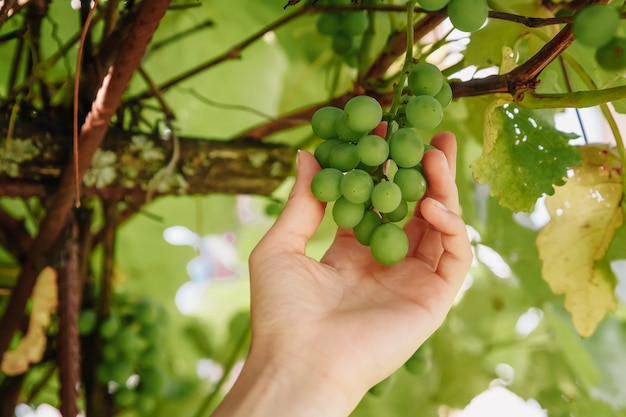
[[92, 133]]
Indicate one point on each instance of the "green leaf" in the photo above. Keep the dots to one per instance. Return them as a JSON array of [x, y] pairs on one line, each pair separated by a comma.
[[585, 214], [524, 156]]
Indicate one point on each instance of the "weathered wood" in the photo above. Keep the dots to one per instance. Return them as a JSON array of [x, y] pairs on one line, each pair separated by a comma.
[[32, 161]]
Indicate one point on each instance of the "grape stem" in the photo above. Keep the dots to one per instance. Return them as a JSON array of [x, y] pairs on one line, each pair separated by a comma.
[[408, 62]]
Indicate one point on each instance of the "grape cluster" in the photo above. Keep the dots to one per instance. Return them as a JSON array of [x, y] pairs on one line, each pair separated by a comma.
[[345, 30], [131, 362], [465, 15], [596, 26]]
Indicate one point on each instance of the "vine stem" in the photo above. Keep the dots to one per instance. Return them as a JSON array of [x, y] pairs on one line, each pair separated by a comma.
[[408, 60]]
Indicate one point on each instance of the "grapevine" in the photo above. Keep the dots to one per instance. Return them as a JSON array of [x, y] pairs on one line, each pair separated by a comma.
[[371, 178]]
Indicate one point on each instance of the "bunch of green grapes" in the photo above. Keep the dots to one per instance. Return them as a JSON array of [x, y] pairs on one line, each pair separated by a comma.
[[131, 362], [355, 165], [596, 26], [345, 30]]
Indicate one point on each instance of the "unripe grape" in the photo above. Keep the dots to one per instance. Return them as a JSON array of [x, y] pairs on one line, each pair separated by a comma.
[[323, 121], [411, 182], [424, 112], [344, 157], [444, 96], [342, 43], [363, 231], [406, 148], [612, 56], [328, 23], [110, 326], [124, 398], [151, 381], [595, 25], [354, 23], [433, 5], [345, 132], [386, 196], [363, 113], [389, 244], [399, 213], [468, 15], [373, 150], [324, 150], [418, 363], [325, 184], [87, 321], [347, 214], [356, 186], [425, 78]]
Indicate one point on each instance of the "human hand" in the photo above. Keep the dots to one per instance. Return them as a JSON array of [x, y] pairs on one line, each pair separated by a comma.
[[344, 323]]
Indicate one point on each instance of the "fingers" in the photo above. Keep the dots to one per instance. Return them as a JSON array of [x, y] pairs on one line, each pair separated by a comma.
[[457, 255], [440, 169], [302, 213]]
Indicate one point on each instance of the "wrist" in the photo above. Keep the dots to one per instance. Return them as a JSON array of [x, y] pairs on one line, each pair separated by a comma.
[[277, 385]]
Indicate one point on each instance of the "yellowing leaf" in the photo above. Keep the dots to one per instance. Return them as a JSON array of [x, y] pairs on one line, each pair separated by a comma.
[[585, 213], [32, 347]]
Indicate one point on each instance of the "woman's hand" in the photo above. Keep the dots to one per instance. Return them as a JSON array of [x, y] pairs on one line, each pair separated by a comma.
[[338, 326]]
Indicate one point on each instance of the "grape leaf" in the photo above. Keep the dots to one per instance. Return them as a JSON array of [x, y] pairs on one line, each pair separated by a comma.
[[585, 214], [524, 156], [32, 347]]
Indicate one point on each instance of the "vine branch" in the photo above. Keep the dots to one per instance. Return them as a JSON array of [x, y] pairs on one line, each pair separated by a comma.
[[92, 133]]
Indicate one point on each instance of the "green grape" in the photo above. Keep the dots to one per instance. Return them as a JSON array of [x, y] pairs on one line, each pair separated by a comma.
[[344, 132], [347, 214], [110, 326], [399, 213], [354, 23], [124, 398], [325, 184], [87, 321], [389, 244], [406, 147], [612, 56], [342, 43], [444, 96], [151, 381], [425, 78], [146, 311], [324, 150], [424, 112], [352, 58], [373, 150], [468, 15], [103, 374], [595, 25], [323, 121], [110, 353], [383, 386], [151, 332], [363, 113], [363, 231], [386, 196], [411, 182], [356, 186], [329, 23], [120, 371], [419, 363], [145, 404], [433, 5], [344, 157]]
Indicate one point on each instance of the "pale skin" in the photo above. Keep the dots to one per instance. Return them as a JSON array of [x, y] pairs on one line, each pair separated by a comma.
[[324, 332]]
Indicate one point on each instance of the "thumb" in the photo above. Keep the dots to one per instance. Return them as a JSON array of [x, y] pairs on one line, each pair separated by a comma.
[[302, 214]]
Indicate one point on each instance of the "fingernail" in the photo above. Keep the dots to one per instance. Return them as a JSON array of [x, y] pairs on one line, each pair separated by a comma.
[[298, 158], [438, 204]]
